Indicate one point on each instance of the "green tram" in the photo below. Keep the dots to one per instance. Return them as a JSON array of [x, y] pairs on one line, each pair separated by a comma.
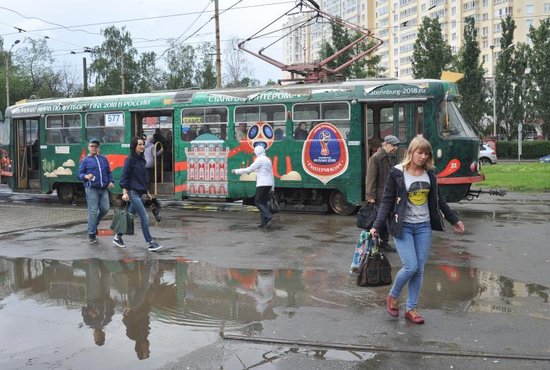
[[207, 133]]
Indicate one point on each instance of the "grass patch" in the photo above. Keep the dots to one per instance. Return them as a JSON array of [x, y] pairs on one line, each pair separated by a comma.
[[526, 176]]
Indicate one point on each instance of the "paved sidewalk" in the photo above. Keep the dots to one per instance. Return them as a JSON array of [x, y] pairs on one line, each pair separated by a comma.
[[16, 217]]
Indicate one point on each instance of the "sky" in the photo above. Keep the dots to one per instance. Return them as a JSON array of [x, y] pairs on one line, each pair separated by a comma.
[[72, 25]]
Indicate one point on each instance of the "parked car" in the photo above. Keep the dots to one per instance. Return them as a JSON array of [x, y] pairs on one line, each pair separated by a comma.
[[487, 155], [545, 159]]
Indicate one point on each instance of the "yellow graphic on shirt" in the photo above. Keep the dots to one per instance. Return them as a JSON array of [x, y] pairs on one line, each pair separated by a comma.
[[418, 193]]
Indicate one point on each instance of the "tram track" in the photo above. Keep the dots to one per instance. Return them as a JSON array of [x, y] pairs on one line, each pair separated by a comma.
[[373, 348]]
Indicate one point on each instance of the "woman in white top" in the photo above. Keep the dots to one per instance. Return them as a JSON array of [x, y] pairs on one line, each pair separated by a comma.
[[264, 184]]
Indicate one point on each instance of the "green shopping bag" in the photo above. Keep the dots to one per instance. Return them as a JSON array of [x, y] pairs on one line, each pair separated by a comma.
[[123, 221]]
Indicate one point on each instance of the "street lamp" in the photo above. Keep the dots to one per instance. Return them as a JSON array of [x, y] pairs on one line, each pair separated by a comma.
[[7, 59], [495, 86]]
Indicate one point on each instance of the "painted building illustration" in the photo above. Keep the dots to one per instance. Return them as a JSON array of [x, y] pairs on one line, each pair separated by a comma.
[[207, 167]]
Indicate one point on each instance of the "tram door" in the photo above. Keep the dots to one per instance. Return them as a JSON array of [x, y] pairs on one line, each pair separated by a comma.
[[158, 125], [28, 153]]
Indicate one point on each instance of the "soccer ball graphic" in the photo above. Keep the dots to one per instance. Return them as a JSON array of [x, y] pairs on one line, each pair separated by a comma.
[[260, 133]]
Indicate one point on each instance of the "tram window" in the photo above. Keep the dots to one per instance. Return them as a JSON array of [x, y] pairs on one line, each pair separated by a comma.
[[419, 119], [386, 121], [274, 114], [198, 121], [105, 127], [337, 113], [451, 123], [370, 123], [401, 124], [63, 129]]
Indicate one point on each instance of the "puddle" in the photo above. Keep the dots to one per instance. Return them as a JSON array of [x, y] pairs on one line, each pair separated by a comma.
[[119, 311]]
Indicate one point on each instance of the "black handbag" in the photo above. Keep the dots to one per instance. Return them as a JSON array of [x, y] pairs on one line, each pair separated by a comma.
[[273, 203], [366, 216], [123, 221], [375, 269]]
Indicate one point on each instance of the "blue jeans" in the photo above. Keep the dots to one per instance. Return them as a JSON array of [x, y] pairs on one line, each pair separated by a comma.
[[136, 206], [98, 206], [413, 248]]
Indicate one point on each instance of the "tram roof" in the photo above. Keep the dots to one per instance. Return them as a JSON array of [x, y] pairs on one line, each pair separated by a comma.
[[378, 89]]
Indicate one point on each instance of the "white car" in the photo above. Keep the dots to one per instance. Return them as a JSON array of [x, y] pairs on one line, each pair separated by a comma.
[[487, 155]]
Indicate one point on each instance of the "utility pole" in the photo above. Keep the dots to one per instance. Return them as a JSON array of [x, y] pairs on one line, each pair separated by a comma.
[[7, 70], [85, 76], [218, 53], [122, 73]]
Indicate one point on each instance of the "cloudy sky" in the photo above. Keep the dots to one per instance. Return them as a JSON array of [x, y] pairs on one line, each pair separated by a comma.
[[72, 25]]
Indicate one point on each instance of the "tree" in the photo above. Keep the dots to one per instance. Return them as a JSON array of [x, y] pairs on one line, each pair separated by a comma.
[[504, 82], [431, 54], [364, 67], [540, 71], [114, 63], [34, 71], [238, 72], [181, 66], [206, 73], [472, 86], [521, 110], [150, 77]]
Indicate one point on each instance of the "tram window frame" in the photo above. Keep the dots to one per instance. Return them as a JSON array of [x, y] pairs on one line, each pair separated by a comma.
[[213, 119], [63, 130], [321, 112], [269, 113], [108, 128]]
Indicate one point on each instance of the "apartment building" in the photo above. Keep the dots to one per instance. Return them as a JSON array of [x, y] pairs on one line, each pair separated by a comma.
[[397, 21]]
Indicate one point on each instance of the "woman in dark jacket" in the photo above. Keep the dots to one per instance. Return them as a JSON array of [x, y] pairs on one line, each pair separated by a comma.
[[134, 184], [410, 206]]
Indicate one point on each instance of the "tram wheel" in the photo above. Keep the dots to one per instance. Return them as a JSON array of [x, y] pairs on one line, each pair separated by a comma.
[[65, 192], [339, 205]]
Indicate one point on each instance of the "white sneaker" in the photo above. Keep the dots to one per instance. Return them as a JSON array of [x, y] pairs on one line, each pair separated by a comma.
[[117, 240]]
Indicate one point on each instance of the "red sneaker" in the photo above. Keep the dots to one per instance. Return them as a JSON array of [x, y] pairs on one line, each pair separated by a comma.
[[414, 316], [392, 305]]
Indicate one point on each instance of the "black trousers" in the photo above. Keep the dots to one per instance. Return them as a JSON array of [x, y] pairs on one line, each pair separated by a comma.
[[262, 195]]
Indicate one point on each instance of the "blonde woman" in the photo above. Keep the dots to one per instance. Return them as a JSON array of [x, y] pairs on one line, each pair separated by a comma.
[[410, 207]]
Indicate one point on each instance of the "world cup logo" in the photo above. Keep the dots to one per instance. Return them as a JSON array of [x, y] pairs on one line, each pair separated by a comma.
[[324, 138]]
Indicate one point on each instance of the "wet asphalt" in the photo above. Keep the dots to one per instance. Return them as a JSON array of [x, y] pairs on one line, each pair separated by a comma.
[[230, 295]]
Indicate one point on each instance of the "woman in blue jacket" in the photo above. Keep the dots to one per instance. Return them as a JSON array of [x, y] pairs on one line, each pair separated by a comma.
[[133, 182], [410, 207]]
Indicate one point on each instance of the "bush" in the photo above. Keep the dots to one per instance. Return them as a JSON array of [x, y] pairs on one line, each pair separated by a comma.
[[529, 149]]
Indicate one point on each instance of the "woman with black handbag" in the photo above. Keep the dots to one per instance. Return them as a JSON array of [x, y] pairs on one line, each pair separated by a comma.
[[411, 205]]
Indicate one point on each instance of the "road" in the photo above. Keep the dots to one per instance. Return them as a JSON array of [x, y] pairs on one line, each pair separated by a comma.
[[233, 296]]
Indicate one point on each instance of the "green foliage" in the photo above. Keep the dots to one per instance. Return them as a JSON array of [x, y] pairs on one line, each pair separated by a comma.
[[431, 53], [472, 86], [539, 65], [181, 66], [362, 68], [529, 149], [522, 176], [504, 84], [114, 63]]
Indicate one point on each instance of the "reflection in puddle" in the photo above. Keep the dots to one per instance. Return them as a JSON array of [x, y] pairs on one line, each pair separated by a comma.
[[152, 304]]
